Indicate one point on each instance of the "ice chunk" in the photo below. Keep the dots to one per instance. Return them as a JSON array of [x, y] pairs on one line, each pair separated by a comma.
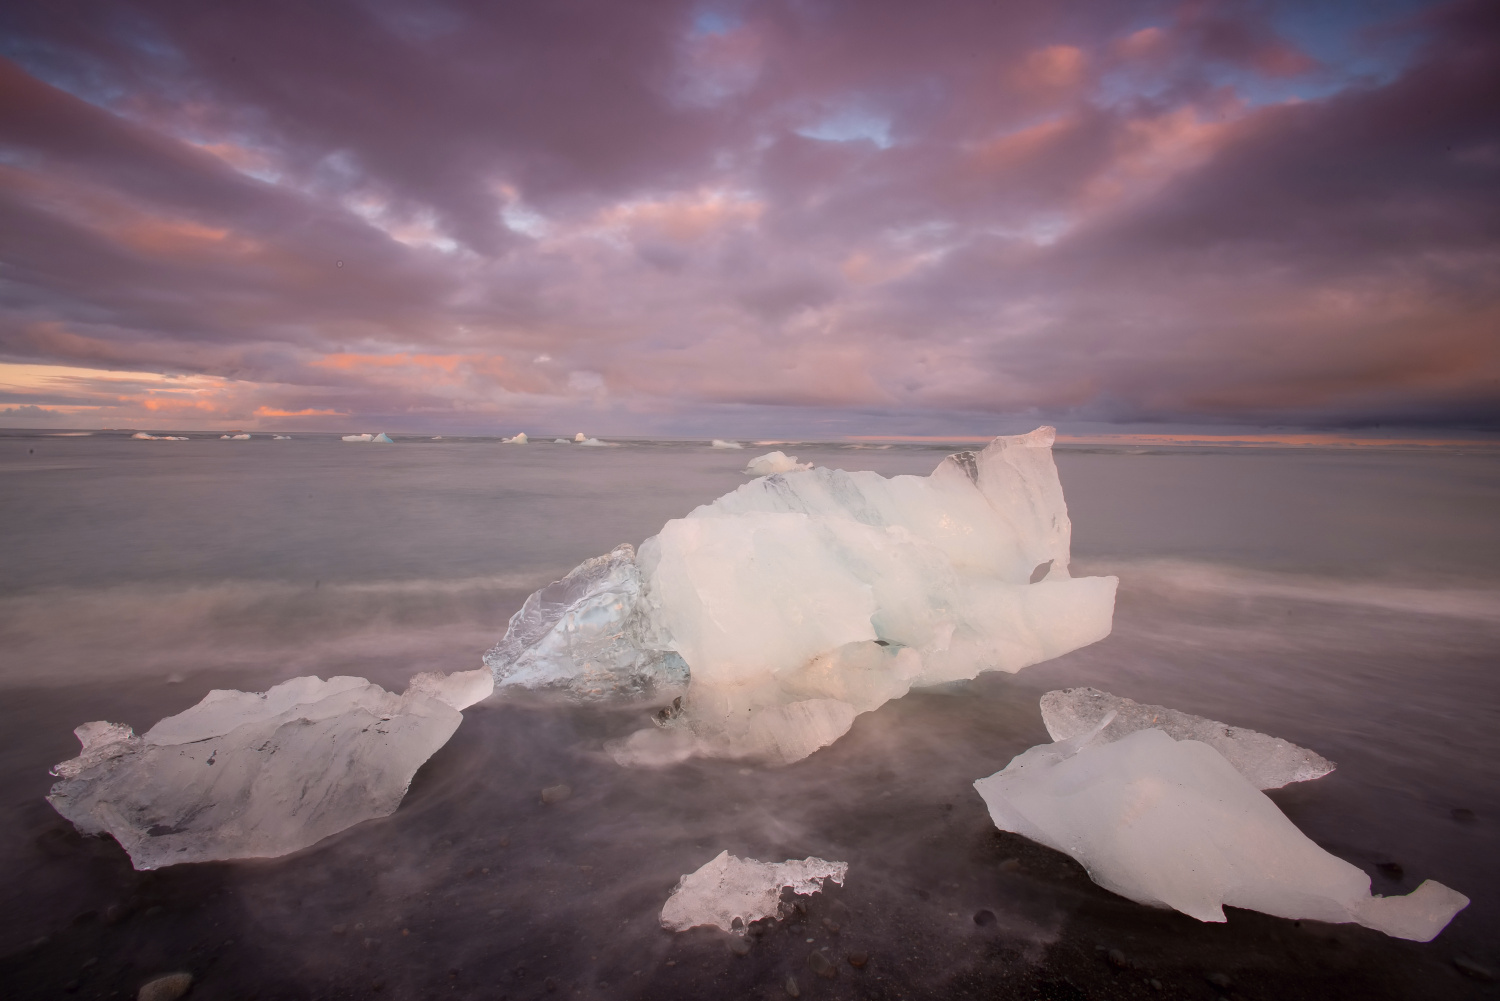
[[257, 775], [382, 439], [519, 439], [358, 437], [1171, 823], [721, 443], [590, 635], [580, 436], [437, 437], [561, 441], [1268, 762], [775, 462], [143, 436], [594, 442], [281, 437], [727, 888], [802, 599]]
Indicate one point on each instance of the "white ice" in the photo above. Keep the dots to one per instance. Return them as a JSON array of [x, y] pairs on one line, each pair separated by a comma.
[[1172, 823], [519, 439], [595, 442], [143, 436], [358, 437], [721, 443], [775, 462], [258, 775], [239, 437], [382, 439], [1268, 762], [802, 599], [281, 437], [580, 436], [728, 888]]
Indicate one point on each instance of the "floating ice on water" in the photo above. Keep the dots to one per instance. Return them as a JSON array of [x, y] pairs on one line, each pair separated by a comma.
[[281, 437], [727, 888], [519, 439], [382, 439], [561, 441], [143, 436], [802, 599], [1268, 762], [437, 437], [580, 436], [775, 462], [257, 775], [238, 437], [358, 437], [589, 635], [594, 442], [721, 443], [1172, 823]]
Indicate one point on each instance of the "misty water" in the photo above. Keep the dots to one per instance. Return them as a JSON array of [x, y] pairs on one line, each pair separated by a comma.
[[1346, 600]]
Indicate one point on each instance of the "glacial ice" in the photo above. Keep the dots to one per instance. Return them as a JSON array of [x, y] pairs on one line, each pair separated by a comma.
[[775, 462], [519, 439], [721, 443], [1268, 762], [382, 439], [258, 775], [595, 442], [802, 599], [1171, 823], [580, 436], [589, 635], [358, 437], [281, 437], [727, 888]]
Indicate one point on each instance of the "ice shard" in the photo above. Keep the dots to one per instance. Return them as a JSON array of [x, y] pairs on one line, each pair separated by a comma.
[[727, 889], [258, 775], [1171, 823], [804, 598], [1268, 762]]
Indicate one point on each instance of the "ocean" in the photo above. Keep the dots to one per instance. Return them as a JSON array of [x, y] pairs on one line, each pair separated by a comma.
[[1344, 599]]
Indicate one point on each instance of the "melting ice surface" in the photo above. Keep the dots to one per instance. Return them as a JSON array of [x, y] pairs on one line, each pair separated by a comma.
[[257, 775], [802, 599], [727, 888], [1171, 823], [1268, 762]]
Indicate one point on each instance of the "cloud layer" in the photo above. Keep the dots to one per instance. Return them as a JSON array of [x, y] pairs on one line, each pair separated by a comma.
[[780, 215]]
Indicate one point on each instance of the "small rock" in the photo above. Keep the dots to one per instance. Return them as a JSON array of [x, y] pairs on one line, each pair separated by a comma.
[[153, 911], [1155, 984], [858, 959], [822, 965], [1469, 968], [166, 988], [1118, 960], [338, 929], [984, 918], [1220, 980], [739, 946], [1391, 869], [1463, 815], [831, 925], [1011, 865], [791, 987], [556, 794]]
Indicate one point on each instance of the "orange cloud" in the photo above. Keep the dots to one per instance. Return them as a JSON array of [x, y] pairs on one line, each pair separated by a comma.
[[1056, 67], [277, 412]]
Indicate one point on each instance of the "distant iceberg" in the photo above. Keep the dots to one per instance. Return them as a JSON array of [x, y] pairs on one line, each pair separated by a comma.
[[580, 436], [382, 439], [595, 442], [281, 437], [802, 599], [519, 439], [1172, 823], [721, 443], [258, 775], [358, 437], [775, 462]]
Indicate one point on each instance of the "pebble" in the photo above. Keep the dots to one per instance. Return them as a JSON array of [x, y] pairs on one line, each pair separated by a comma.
[[165, 988], [338, 929], [556, 794], [1220, 980], [1155, 984], [1119, 960], [984, 918], [831, 925], [1011, 865], [858, 959], [1469, 968], [822, 965], [792, 989]]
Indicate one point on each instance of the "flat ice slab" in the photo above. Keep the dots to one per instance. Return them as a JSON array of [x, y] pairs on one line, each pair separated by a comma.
[[728, 888], [1268, 762], [1172, 823], [258, 775]]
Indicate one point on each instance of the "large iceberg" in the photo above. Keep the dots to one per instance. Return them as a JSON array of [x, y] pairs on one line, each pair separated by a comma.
[[727, 889], [1171, 823], [257, 775], [1268, 762], [802, 599]]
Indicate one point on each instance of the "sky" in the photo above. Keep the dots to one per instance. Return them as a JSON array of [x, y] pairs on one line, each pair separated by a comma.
[[749, 217]]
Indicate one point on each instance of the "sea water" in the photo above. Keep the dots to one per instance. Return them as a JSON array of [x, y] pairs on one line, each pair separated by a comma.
[[1346, 600]]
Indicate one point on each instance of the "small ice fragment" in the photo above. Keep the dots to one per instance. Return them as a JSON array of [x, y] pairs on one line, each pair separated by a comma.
[[239, 437], [595, 442], [721, 443], [519, 439], [727, 887], [382, 439], [1171, 823], [561, 441], [1268, 762], [143, 436], [437, 437], [359, 437], [580, 436], [775, 462], [258, 775], [281, 437]]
